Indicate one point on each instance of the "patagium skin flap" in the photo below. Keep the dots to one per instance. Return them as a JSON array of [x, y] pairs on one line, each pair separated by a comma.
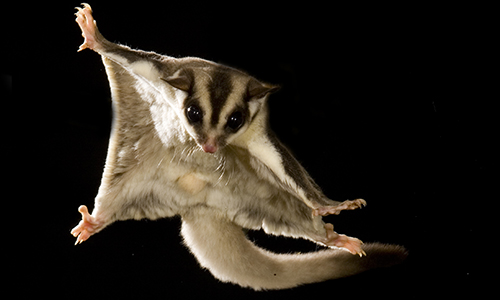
[[191, 138]]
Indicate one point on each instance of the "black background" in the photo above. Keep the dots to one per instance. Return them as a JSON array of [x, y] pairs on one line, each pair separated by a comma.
[[385, 103]]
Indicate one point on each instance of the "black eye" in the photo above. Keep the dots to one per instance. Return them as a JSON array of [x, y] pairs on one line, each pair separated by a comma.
[[235, 120], [194, 114]]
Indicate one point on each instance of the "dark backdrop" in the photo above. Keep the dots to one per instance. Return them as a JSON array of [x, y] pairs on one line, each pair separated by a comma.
[[386, 103]]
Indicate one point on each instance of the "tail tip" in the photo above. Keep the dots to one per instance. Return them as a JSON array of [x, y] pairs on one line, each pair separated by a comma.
[[385, 255]]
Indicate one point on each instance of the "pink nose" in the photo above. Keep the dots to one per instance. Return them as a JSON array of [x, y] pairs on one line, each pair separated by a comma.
[[209, 148]]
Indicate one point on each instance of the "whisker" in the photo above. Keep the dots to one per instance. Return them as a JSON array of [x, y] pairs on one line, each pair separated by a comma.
[[221, 167], [161, 161], [230, 175], [173, 156], [192, 150]]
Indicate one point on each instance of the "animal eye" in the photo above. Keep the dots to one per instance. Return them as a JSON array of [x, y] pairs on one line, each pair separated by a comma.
[[194, 114], [235, 120]]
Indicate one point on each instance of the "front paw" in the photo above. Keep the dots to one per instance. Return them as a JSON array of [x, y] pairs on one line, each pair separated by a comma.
[[335, 210], [87, 25]]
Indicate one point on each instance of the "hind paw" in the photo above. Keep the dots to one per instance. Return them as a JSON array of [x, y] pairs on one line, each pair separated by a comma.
[[353, 245], [87, 226], [335, 210]]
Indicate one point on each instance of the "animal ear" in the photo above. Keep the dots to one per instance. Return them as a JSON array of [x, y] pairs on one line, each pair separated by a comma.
[[258, 89], [181, 79]]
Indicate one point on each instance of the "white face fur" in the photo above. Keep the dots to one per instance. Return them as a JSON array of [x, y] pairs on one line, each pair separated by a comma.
[[219, 103]]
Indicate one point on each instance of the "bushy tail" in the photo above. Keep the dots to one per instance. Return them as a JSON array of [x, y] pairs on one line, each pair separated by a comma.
[[221, 247]]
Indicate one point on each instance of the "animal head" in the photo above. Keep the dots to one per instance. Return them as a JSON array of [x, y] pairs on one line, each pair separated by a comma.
[[218, 103]]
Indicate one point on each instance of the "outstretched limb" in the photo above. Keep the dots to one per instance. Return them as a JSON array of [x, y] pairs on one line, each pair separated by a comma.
[[353, 245], [335, 210], [93, 38], [88, 26], [87, 226], [120, 54]]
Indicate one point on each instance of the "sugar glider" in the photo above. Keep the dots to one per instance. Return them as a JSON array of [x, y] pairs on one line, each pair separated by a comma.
[[191, 137]]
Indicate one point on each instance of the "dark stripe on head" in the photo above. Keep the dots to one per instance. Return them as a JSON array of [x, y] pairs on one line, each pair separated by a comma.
[[220, 87]]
